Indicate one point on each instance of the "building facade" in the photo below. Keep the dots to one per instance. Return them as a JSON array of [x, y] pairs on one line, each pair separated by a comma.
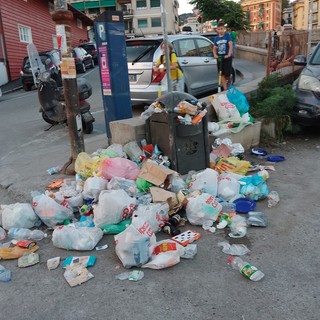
[[287, 15], [193, 23], [315, 15], [141, 17], [298, 15], [262, 14], [23, 22]]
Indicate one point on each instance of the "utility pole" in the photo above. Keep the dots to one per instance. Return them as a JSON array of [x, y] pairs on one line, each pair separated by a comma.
[[310, 29], [165, 39], [62, 17]]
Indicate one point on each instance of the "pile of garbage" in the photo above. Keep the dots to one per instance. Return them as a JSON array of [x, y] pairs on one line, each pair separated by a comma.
[[131, 193]]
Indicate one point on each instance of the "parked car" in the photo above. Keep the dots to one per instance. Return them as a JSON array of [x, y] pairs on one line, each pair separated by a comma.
[[195, 58], [91, 48], [26, 73], [307, 88], [82, 59], [209, 35]]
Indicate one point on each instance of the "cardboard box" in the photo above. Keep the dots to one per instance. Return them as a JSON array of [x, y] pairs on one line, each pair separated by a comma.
[[153, 173]]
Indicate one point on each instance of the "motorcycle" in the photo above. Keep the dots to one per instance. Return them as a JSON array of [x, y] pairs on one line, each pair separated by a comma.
[[51, 93]]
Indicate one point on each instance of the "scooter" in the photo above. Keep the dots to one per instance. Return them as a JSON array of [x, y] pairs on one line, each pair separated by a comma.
[[51, 94], [51, 98]]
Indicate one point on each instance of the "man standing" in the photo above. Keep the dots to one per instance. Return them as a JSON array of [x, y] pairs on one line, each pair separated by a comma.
[[222, 51]]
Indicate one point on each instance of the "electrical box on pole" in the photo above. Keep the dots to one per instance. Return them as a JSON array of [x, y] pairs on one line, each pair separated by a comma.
[[112, 56]]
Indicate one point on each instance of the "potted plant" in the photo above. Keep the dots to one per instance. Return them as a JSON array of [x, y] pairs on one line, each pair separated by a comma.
[[273, 104]]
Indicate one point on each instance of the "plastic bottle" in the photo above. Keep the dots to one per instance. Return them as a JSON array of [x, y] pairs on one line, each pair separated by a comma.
[[148, 112], [2, 234], [273, 198], [24, 234], [54, 170], [186, 107], [244, 267], [197, 119]]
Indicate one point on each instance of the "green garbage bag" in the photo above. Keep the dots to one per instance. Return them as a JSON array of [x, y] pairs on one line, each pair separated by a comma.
[[116, 228], [143, 185]]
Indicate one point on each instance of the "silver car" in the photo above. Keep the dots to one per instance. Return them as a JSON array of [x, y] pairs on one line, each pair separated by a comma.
[[195, 58]]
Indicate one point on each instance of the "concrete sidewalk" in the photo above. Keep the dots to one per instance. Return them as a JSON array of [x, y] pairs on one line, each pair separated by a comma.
[[11, 86]]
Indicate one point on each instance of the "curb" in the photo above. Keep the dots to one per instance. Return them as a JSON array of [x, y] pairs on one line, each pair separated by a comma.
[[11, 90]]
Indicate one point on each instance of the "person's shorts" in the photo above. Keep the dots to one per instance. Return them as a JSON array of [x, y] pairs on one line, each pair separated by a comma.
[[226, 66]]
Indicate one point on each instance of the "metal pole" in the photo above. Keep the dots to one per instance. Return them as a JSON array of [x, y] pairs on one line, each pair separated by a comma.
[[165, 39], [269, 54], [310, 29], [62, 17]]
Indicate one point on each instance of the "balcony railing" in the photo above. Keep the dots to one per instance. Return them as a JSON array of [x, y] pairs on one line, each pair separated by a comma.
[[127, 13]]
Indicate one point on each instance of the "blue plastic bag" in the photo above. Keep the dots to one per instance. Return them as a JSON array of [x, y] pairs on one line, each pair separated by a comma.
[[236, 97]]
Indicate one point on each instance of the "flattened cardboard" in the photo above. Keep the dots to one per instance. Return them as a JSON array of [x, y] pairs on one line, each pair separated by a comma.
[[77, 274], [222, 150], [155, 174], [160, 195]]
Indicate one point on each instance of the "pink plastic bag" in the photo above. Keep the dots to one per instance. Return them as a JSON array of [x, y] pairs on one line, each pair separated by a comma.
[[119, 167]]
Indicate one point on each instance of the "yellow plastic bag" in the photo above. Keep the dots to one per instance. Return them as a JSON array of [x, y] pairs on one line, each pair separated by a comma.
[[232, 164], [86, 166]]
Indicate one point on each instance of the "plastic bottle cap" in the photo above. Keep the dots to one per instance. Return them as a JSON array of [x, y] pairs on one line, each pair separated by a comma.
[[230, 259]]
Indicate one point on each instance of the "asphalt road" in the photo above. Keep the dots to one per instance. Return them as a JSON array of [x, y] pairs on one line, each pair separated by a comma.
[[203, 288]]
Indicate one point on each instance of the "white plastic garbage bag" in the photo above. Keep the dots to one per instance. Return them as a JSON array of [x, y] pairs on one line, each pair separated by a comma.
[[166, 254], [203, 209], [18, 215], [135, 245], [228, 187], [113, 207], [205, 181], [156, 214], [75, 202], [72, 237], [50, 211], [93, 186]]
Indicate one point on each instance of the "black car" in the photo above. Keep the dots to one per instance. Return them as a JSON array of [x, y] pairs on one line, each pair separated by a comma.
[[26, 73], [307, 88], [82, 59], [91, 48]]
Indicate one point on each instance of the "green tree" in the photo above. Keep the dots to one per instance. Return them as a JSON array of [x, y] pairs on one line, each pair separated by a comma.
[[230, 12]]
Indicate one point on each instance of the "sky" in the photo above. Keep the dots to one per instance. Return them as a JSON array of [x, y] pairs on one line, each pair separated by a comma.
[[184, 7]]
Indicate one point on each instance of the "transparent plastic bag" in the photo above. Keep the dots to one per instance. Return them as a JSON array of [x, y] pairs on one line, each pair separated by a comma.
[[205, 181], [72, 237], [133, 151], [129, 186], [238, 227], [156, 214], [257, 219], [233, 249], [113, 207], [86, 166], [135, 245], [18, 215], [177, 183], [119, 167], [50, 211], [166, 254], [203, 209], [93, 186], [228, 186]]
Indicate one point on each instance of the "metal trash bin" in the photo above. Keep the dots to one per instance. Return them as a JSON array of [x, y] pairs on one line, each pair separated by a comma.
[[185, 145]]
